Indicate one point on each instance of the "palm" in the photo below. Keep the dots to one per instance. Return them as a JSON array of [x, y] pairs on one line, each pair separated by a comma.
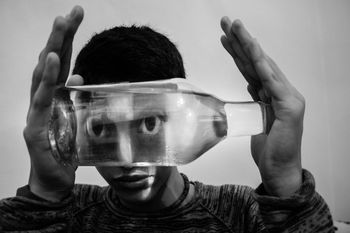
[[45, 166]]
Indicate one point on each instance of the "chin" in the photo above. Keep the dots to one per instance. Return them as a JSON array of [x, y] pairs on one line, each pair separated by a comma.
[[140, 191]]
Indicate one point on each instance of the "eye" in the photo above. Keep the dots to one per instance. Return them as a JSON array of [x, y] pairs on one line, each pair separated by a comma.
[[96, 127], [150, 125]]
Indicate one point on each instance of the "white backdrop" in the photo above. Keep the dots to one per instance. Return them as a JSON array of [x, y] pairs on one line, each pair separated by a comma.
[[310, 40]]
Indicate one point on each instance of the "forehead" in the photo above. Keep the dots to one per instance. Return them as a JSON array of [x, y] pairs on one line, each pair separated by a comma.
[[123, 106]]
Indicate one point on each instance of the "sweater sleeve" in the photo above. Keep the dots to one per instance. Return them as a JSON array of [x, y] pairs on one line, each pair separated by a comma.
[[305, 211], [27, 212]]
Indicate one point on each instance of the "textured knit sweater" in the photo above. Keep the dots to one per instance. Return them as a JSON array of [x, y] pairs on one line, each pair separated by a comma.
[[226, 208]]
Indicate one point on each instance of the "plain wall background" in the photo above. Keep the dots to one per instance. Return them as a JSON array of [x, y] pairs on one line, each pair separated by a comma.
[[310, 41]]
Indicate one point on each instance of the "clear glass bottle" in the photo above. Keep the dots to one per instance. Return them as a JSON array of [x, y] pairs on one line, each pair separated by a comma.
[[160, 123]]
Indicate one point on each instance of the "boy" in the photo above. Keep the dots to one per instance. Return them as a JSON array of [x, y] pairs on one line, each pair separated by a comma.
[[160, 199]]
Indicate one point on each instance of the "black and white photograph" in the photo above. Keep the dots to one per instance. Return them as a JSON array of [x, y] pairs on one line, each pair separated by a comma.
[[175, 116]]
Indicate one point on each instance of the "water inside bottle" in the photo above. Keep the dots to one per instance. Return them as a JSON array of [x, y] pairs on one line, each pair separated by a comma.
[[163, 129], [152, 127]]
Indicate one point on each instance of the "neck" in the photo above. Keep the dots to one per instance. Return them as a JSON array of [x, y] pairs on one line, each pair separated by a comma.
[[167, 194]]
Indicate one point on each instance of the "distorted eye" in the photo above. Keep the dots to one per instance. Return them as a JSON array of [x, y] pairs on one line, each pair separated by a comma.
[[97, 127], [150, 125]]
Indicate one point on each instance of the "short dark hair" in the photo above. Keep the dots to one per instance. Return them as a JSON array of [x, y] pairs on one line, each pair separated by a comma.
[[133, 53]]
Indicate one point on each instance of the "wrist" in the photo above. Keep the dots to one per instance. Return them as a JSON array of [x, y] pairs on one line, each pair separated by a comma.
[[47, 194], [284, 182]]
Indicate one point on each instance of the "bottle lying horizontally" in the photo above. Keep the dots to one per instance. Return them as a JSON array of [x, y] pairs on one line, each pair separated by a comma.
[[158, 123]]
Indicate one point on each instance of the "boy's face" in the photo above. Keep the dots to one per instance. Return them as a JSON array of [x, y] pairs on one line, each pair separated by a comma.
[[131, 139]]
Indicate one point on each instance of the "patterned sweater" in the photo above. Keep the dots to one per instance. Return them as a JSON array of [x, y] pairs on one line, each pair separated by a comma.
[[226, 208]]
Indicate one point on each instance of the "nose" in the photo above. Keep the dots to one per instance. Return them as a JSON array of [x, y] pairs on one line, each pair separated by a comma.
[[124, 149]]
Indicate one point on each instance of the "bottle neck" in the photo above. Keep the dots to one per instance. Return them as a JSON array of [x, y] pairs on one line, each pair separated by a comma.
[[245, 118]]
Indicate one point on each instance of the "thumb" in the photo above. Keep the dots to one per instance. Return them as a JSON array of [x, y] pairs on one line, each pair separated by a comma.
[[74, 80]]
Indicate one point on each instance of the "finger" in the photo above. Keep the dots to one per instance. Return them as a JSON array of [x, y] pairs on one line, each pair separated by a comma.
[[43, 96], [263, 95], [226, 26], [271, 81], [227, 45], [75, 80], [59, 41], [253, 93], [74, 20], [65, 66], [248, 73], [241, 33], [54, 44], [247, 70], [247, 41], [269, 73], [276, 69], [56, 38]]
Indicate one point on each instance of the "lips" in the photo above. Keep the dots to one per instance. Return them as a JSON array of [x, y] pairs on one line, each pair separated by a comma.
[[134, 181], [131, 178]]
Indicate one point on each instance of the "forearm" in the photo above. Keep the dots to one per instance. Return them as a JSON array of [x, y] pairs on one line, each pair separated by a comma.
[[285, 182]]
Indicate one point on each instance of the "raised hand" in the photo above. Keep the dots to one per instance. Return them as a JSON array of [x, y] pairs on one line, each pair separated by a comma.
[[277, 154], [48, 179]]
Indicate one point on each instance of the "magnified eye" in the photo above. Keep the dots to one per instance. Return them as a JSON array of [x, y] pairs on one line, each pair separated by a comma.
[[96, 127], [150, 125]]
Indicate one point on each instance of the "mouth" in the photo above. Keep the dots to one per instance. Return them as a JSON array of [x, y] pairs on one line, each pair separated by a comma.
[[134, 181]]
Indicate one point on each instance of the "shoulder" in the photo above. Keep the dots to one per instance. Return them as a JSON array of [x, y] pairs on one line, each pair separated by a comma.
[[226, 198], [234, 205], [81, 194], [228, 192]]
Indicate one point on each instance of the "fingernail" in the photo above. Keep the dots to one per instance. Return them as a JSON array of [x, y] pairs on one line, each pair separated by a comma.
[[49, 57], [226, 18]]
